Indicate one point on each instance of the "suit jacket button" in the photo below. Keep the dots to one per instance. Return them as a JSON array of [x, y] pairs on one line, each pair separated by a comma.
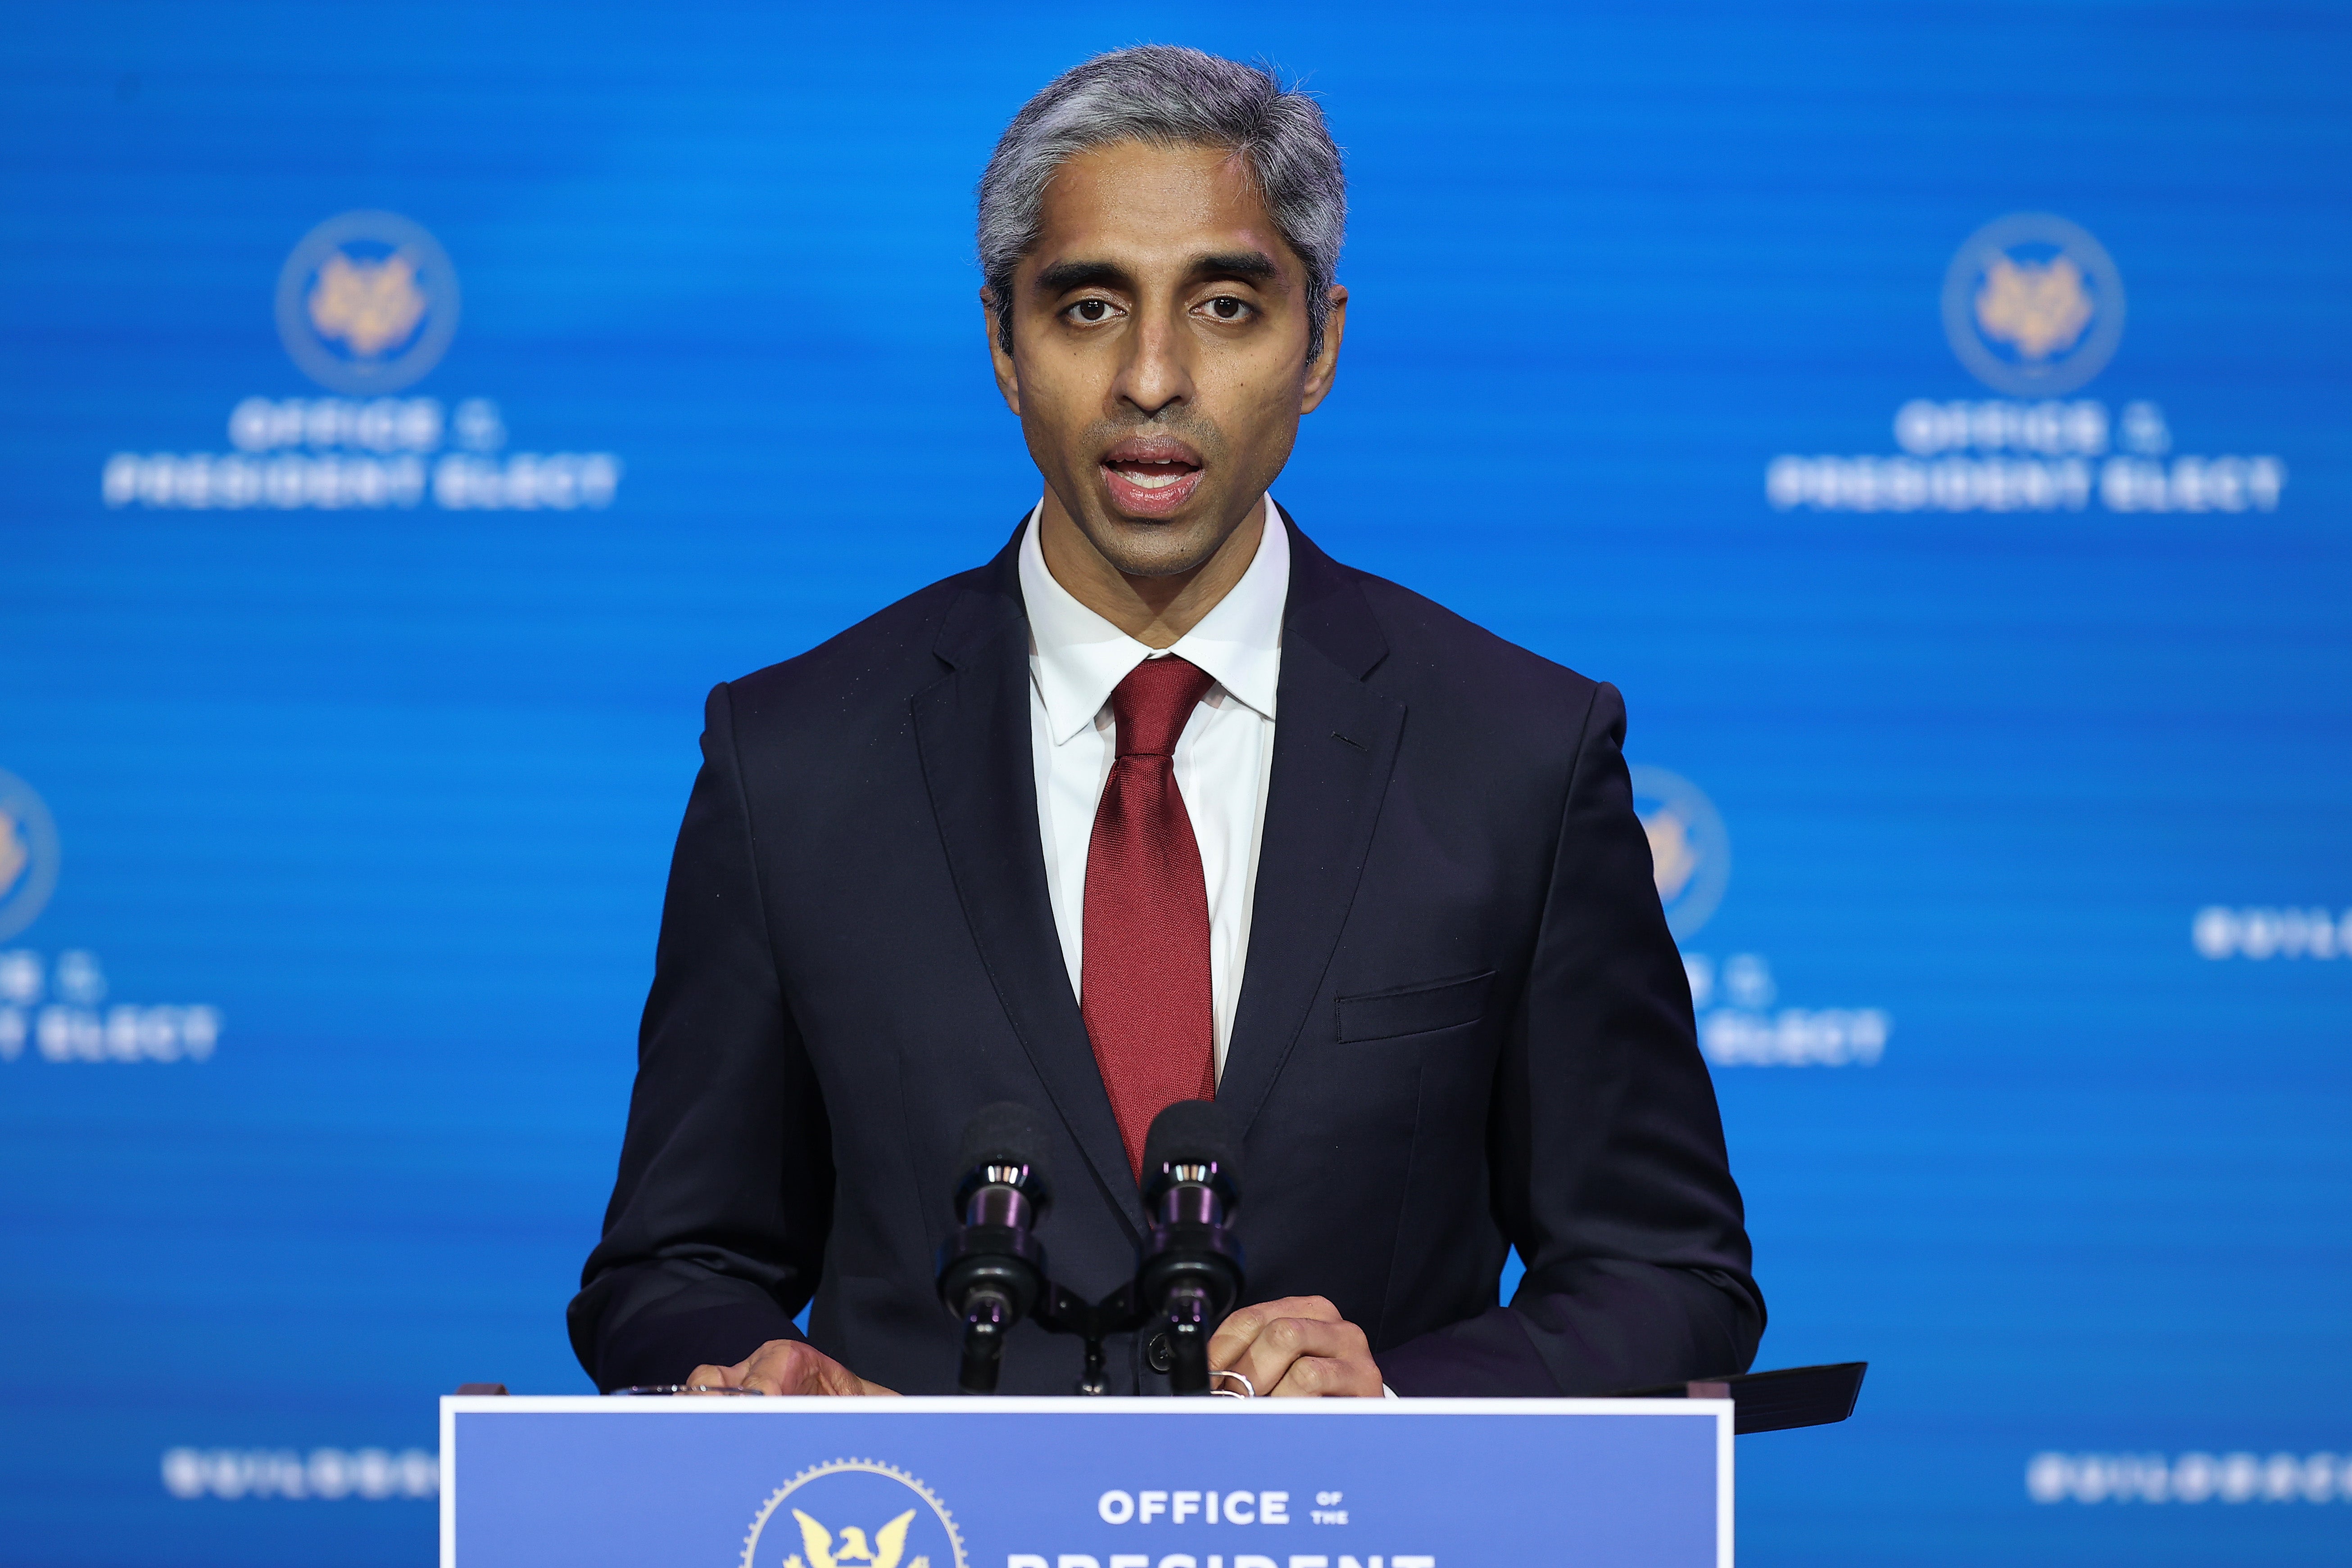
[[1160, 1353]]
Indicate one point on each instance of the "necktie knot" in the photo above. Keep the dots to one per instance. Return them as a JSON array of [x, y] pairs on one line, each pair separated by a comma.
[[1153, 703]]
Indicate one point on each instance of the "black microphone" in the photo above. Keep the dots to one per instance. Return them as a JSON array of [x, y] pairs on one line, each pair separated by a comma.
[[1190, 1270], [991, 1267]]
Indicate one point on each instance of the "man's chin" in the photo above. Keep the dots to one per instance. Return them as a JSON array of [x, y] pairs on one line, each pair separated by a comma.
[[1157, 546]]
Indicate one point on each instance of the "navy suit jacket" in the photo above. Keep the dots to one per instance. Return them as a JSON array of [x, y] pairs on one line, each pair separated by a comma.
[[1464, 1025]]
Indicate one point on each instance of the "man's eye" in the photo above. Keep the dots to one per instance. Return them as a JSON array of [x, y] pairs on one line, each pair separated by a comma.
[[1225, 307], [1091, 311]]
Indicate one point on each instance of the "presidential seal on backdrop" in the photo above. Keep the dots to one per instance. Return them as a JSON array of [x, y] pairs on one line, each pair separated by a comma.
[[366, 306], [2033, 305], [2034, 308], [367, 303], [29, 855], [853, 1513], [1690, 852]]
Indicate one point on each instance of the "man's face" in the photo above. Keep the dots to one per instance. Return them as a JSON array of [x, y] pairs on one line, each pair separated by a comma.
[[1158, 360]]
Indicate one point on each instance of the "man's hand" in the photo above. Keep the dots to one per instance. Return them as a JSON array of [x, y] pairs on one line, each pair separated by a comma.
[[788, 1366], [1299, 1347]]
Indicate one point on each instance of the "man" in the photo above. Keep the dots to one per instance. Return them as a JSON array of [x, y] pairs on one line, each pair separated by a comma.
[[1164, 803]]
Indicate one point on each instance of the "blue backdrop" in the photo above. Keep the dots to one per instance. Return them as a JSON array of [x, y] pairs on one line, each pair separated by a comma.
[[1935, 419]]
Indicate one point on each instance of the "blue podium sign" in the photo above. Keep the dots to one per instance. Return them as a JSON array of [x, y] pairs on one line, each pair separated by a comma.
[[1085, 1483]]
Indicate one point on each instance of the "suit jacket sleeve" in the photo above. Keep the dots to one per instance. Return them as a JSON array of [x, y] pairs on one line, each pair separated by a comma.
[[717, 1227], [1609, 1173]]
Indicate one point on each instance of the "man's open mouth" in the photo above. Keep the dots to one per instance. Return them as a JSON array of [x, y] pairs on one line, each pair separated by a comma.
[[1151, 476]]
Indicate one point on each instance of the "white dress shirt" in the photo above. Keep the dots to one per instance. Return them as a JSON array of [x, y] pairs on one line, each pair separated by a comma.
[[1223, 759]]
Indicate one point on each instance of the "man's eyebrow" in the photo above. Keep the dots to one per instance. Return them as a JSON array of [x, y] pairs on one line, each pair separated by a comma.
[[1065, 276], [1248, 266]]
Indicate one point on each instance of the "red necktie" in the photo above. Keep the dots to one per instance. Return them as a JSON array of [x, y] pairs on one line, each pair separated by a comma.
[[1144, 977]]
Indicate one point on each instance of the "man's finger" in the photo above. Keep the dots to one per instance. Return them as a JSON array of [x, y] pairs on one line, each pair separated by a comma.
[[1240, 1331], [1287, 1340], [1326, 1377], [782, 1366], [713, 1377], [797, 1367], [823, 1375]]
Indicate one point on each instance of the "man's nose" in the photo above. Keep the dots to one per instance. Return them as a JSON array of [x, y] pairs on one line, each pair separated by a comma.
[[1157, 372]]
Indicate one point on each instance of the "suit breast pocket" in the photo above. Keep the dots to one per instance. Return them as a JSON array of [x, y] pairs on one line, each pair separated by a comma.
[[1415, 1009]]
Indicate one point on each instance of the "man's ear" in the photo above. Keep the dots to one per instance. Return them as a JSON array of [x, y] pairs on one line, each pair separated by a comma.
[[1325, 366], [1008, 377]]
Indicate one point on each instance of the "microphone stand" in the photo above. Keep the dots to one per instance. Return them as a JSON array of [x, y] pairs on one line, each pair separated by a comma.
[[1062, 1311]]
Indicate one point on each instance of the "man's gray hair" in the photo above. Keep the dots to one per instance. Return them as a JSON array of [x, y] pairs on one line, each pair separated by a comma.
[[1169, 97]]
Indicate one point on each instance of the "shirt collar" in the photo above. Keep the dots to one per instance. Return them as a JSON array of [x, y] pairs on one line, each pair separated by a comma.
[[1078, 657]]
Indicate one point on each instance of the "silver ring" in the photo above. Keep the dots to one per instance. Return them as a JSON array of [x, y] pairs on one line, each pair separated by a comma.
[[646, 1388], [1229, 1393]]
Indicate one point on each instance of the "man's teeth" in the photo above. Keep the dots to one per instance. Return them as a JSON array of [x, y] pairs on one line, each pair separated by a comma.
[[1157, 477]]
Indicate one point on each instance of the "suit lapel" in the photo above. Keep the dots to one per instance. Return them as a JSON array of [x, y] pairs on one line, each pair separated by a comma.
[[1335, 744], [971, 727]]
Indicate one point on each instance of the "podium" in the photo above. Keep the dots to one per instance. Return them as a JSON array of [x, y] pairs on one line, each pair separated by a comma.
[[1085, 1483]]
